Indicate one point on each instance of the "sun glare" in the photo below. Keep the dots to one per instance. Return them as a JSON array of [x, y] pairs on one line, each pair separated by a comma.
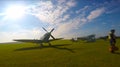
[[15, 12]]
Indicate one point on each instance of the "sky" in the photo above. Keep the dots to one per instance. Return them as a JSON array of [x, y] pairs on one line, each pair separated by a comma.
[[24, 19]]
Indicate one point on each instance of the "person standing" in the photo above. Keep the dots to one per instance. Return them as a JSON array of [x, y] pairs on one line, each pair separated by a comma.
[[112, 39]]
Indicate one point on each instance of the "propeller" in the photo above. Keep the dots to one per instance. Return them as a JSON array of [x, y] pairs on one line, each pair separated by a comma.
[[49, 32], [52, 37], [52, 30], [44, 29]]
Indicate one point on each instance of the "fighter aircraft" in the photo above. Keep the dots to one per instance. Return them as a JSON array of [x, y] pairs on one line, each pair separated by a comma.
[[44, 39], [89, 38]]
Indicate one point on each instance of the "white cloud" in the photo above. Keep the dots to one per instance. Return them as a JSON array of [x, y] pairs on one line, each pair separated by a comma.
[[84, 20], [95, 13], [82, 10], [46, 11], [61, 1], [71, 3], [63, 19], [66, 17], [63, 29]]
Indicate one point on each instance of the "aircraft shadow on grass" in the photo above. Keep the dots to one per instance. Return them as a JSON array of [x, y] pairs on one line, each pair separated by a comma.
[[53, 46], [118, 53]]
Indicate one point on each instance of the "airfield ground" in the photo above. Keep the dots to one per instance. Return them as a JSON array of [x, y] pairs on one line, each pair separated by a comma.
[[63, 53]]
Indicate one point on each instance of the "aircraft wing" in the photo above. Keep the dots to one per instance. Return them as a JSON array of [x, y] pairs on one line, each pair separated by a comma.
[[28, 40], [55, 39]]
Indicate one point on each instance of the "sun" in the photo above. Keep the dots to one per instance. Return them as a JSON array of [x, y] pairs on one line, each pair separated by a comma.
[[15, 12]]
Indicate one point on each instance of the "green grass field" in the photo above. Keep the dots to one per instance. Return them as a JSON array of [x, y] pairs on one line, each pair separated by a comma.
[[63, 53]]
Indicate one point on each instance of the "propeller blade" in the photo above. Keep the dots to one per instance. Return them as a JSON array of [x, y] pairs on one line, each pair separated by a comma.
[[52, 37], [52, 30], [44, 29]]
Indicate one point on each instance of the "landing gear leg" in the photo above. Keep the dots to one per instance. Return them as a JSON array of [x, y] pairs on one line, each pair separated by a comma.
[[49, 44], [41, 45]]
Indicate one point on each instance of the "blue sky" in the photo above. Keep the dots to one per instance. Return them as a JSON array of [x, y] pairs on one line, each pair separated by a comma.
[[70, 18]]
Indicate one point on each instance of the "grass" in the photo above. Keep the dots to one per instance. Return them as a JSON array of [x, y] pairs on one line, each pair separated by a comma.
[[63, 53]]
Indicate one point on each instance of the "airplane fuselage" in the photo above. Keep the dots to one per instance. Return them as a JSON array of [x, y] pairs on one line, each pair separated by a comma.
[[46, 37]]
